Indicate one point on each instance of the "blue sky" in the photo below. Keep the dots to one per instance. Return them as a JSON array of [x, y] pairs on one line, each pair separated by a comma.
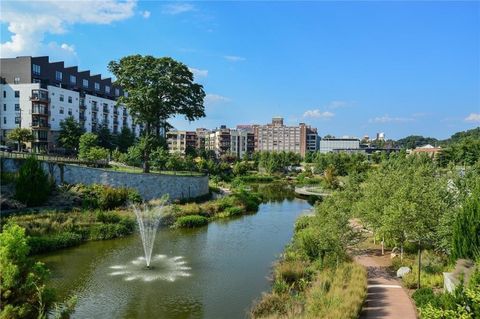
[[347, 68]]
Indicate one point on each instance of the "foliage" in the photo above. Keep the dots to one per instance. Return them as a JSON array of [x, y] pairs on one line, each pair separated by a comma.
[[86, 142], [414, 141], [158, 88], [32, 185], [466, 229], [23, 290], [105, 139], [106, 197], [272, 162], [191, 221], [55, 230], [70, 132], [125, 139], [20, 135]]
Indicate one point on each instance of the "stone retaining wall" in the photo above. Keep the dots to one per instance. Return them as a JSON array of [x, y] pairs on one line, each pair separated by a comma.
[[149, 186]]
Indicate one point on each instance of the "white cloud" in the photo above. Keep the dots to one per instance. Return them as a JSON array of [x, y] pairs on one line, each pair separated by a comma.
[[177, 8], [215, 98], [199, 73], [473, 117], [234, 58], [318, 114], [145, 14], [389, 119], [30, 21]]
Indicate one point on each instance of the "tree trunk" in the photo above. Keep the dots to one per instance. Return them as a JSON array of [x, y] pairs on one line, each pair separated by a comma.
[[401, 252], [383, 246], [19, 145]]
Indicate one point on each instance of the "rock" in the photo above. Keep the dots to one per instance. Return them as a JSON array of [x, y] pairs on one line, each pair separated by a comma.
[[402, 271]]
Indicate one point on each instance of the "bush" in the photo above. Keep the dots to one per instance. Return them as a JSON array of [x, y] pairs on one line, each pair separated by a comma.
[[424, 296], [191, 221], [270, 304], [106, 197], [234, 211], [41, 244], [109, 231], [32, 187], [292, 272]]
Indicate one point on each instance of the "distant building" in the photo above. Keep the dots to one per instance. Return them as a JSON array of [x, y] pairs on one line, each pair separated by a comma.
[[277, 137], [201, 134], [313, 140], [218, 141], [241, 143], [245, 127], [332, 144], [180, 141], [381, 136], [428, 149]]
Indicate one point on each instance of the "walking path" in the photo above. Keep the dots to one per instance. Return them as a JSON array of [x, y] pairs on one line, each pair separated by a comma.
[[386, 298]]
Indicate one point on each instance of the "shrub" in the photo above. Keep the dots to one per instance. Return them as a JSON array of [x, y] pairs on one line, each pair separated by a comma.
[[292, 271], [109, 231], [191, 221], [40, 244], [32, 187], [270, 304], [424, 296], [107, 197], [234, 211]]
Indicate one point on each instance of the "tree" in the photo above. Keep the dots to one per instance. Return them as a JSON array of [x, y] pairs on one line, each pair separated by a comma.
[[125, 139], [466, 228], [158, 88], [105, 139], [87, 141], [20, 135], [32, 187], [70, 132], [23, 290]]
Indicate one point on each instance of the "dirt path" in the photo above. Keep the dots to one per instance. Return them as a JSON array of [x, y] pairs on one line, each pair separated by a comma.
[[386, 298]]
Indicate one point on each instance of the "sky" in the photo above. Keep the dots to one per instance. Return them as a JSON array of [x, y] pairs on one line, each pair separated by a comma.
[[346, 68]]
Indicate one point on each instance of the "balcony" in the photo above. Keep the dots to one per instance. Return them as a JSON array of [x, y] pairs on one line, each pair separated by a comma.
[[115, 111], [125, 114], [40, 125], [81, 117], [82, 104], [94, 120], [39, 110], [94, 108], [39, 96], [105, 109]]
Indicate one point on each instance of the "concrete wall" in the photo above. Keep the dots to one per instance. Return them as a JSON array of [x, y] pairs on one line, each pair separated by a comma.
[[149, 186]]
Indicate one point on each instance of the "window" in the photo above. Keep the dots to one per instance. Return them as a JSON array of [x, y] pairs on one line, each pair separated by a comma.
[[97, 86], [73, 79], [61, 110], [4, 107], [70, 99], [36, 69], [107, 89], [4, 94], [70, 112], [125, 94], [58, 75], [17, 93], [17, 107], [85, 83], [62, 98], [36, 81], [16, 80], [17, 120], [4, 120], [117, 92]]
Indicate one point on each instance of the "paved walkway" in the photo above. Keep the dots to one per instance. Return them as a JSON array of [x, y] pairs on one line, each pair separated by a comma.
[[386, 299]]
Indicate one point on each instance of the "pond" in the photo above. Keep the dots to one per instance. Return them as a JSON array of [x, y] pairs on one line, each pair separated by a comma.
[[211, 272]]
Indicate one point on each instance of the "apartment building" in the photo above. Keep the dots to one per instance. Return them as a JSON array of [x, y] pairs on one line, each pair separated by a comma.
[[332, 144], [218, 141], [277, 137], [180, 141], [39, 94]]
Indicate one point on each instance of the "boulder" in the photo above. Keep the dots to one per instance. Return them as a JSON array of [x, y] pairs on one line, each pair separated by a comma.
[[402, 271]]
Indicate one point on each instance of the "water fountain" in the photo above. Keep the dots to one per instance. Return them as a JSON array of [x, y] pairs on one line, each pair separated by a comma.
[[148, 218]]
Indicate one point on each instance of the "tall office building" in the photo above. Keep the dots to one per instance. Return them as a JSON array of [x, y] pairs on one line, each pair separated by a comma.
[[39, 94], [277, 137]]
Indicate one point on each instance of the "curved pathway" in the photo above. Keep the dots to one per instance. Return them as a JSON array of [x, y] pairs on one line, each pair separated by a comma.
[[386, 297]]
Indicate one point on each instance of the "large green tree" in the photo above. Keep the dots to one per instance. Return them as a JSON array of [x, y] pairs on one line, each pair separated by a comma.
[[125, 139], [158, 88], [20, 136], [70, 132]]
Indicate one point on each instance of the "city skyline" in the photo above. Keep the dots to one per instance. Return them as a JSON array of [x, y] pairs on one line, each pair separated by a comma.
[[346, 68]]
